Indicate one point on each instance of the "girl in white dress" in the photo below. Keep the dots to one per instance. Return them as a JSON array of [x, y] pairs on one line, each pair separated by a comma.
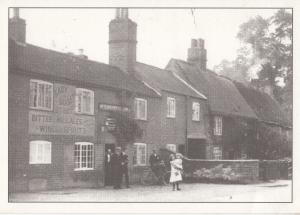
[[176, 169]]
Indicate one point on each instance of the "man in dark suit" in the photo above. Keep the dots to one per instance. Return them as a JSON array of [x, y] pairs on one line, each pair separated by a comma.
[[124, 158], [108, 176], [116, 164], [154, 161]]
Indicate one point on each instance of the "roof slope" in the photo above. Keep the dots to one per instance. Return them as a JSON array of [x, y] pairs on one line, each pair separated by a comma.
[[266, 108], [30, 58], [161, 79], [223, 96]]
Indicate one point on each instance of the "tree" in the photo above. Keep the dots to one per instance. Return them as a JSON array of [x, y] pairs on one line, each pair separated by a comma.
[[266, 54]]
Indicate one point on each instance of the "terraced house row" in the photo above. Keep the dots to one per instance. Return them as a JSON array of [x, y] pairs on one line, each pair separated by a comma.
[[65, 110]]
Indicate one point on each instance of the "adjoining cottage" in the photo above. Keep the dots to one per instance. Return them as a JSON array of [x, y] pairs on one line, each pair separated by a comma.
[[235, 109]]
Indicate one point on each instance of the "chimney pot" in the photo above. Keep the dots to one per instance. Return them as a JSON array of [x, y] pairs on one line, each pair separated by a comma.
[[193, 43], [16, 12]]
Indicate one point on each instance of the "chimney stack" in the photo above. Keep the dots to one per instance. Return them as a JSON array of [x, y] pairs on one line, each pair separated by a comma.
[[17, 27], [122, 41], [197, 53]]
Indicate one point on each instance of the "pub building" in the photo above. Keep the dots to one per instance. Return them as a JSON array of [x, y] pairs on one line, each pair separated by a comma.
[[60, 108]]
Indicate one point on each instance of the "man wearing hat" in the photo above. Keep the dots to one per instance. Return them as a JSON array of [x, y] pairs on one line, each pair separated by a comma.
[[116, 164]]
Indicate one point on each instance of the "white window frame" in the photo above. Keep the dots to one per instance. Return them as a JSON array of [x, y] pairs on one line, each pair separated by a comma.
[[38, 153], [218, 125], [81, 144], [137, 156], [137, 109], [195, 106], [171, 107], [171, 147], [38, 106], [217, 152], [79, 98]]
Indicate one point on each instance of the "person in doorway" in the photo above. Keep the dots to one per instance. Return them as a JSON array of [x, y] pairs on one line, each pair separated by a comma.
[[116, 164], [124, 163], [154, 161], [176, 170], [108, 179]]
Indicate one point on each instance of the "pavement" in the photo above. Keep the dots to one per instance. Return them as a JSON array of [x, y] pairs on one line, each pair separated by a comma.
[[275, 191]]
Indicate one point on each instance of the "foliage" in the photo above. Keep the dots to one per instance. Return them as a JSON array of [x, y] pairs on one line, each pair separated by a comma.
[[272, 144], [217, 173], [126, 130], [265, 55]]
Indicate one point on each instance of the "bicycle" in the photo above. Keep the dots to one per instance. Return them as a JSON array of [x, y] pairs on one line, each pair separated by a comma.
[[150, 178]]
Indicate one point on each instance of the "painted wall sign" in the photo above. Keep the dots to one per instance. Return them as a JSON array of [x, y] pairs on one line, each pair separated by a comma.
[[49, 123], [107, 107], [64, 98]]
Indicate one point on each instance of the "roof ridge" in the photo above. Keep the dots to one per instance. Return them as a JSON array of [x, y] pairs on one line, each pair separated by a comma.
[[62, 53]]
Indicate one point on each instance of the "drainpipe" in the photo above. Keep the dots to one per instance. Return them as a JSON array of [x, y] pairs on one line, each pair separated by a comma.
[[186, 125]]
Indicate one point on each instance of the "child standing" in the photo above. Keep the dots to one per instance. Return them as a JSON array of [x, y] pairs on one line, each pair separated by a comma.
[[176, 169]]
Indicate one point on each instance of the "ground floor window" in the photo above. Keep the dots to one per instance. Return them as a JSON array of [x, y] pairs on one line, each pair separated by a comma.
[[217, 153], [40, 152], [84, 156], [139, 156], [171, 147]]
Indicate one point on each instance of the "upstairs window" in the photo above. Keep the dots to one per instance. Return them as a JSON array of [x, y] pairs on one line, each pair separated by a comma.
[[140, 108], [40, 152], [41, 95], [171, 107], [196, 111], [84, 101], [218, 125], [140, 152], [84, 156]]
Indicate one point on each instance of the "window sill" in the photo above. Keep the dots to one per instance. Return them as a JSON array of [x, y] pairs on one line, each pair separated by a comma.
[[41, 109], [86, 169], [171, 117], [196, 120], [85, 114], [39, 163], [140, 119]]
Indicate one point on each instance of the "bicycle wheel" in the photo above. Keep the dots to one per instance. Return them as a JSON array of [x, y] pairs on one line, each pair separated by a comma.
[[166, 178], [147, 178]]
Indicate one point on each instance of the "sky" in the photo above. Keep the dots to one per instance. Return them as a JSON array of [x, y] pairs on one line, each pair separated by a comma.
[[162, 34]]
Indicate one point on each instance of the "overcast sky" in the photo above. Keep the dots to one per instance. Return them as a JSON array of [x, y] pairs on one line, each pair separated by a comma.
[[162, 33]]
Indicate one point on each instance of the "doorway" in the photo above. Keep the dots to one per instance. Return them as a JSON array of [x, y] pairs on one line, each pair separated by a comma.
[[196, 148], [107, 162]]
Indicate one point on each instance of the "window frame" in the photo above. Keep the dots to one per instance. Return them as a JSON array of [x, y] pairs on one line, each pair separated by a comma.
[[38, 95], [172, 146], [77, 90], [80, 168], [220, 153], [218, 125], [171, 113], [34, 159], [197, 119], [137, 109], [135, 156]]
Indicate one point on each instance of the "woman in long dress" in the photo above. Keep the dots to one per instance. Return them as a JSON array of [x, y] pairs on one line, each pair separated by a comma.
[[176, 169]]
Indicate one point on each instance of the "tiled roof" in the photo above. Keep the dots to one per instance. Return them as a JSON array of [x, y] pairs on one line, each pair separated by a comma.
[[223, 96], [266, 108], [30, 58], [164, 80]]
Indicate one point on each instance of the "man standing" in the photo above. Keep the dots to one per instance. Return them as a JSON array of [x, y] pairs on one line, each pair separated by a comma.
[[124, 158], [108, 178], [154, 161], [116, 160]]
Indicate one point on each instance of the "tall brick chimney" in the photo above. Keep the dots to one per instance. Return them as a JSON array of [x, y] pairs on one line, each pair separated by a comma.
[[122, 41], [17, 27], [197, 53]]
